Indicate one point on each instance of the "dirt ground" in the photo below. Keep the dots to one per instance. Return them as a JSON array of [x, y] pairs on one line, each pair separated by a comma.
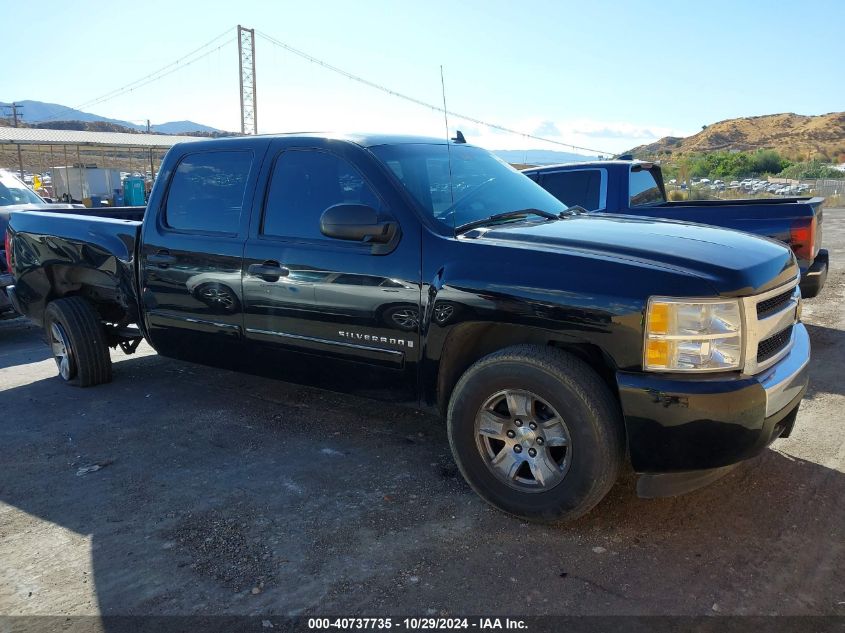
[[221, 493]]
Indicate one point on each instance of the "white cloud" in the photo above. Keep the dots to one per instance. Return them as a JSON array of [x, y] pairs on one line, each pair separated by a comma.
[[388, 115], [598, 135]]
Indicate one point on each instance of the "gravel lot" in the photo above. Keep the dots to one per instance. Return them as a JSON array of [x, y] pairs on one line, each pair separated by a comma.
[[221, 493]]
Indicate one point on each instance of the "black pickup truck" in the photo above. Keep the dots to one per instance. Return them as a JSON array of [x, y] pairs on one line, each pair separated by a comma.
[[634, 187], [556, 344]]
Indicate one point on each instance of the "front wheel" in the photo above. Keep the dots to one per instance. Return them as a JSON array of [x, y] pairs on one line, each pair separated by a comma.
[[77, 341], [536, 433]]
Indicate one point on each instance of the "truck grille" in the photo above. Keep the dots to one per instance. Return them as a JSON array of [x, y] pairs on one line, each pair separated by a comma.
[[769, 320], [770, 306], [772, 345]]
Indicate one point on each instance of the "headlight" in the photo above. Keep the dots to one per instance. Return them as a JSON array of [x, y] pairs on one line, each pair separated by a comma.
[[692, 335]]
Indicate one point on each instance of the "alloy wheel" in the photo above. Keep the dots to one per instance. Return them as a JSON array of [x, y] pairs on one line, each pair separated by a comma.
[[60, 346], [523, 440]]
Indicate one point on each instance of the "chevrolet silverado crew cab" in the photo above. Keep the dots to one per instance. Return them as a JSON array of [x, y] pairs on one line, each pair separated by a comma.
[[556, 344], [633, 187]]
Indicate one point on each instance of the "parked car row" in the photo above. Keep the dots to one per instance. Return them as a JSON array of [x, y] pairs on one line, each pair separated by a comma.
[[748, 185]]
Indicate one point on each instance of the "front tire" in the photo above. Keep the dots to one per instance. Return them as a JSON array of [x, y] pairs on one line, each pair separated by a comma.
[[77, 340], [536, 433]]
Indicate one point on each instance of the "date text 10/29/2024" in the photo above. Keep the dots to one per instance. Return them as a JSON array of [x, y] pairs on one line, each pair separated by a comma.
[[417, 624]]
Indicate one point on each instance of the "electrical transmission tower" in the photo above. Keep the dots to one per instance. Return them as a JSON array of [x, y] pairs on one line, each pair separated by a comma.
[[16, 113], [246, 63]]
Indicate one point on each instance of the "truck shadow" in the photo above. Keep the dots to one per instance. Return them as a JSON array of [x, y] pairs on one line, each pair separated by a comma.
[[224, 493], [828, 349], [20, 343]]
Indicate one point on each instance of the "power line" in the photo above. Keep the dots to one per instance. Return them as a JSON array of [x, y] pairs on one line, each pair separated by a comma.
[[171, 68], [416, 101]]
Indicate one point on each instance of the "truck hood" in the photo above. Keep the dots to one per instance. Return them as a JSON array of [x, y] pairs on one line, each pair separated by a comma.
[[736, 264]]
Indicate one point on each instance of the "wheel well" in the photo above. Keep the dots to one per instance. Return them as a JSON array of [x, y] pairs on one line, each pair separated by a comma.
[[98, 287], [470, 342]]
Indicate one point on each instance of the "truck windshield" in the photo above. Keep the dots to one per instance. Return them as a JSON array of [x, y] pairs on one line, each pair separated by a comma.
[[13, 191], [481, 184]]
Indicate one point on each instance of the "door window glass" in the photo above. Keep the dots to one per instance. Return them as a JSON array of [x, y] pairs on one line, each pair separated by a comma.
[[303, 185], [207, 192]]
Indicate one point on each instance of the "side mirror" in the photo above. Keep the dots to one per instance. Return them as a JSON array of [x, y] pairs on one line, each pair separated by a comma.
[[357, 222]]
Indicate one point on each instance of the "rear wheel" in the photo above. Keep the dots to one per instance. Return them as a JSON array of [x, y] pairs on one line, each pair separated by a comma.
[[77, 341], [536, 433]]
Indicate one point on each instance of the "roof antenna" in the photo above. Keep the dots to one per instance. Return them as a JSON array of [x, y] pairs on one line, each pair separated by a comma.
[[448, 144], [459, 137]]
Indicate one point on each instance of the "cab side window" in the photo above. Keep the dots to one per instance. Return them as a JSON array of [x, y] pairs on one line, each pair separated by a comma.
[[305, 183], [206, 192], [581, 187]]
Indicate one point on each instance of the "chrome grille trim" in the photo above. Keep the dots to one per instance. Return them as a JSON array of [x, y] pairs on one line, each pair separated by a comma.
[[770, 324]]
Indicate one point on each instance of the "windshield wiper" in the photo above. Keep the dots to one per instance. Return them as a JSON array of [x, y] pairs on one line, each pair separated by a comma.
[[574, 209], [507, 215]]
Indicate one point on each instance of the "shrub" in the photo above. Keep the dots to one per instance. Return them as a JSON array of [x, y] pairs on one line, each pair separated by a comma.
[[811, 170]]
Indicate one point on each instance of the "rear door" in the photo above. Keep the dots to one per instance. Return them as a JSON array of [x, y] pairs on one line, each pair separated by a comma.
[[353, 309], [192, 249], [584, 187]]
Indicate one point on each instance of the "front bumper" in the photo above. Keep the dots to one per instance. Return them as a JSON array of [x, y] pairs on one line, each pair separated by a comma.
[[685, 425], [812, 279]]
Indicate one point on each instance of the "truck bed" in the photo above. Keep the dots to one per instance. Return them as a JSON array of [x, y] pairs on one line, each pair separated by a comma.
[[62, 251], [772, 218], [118, 213]]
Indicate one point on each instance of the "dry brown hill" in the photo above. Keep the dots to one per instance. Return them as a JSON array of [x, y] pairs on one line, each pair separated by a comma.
[[794, 136]]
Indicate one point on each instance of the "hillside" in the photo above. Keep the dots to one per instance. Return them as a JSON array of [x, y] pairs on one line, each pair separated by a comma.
[[47, 113], [87, 126], [795, 136]]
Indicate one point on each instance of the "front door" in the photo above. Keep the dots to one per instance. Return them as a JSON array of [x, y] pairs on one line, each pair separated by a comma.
[[349, 311]]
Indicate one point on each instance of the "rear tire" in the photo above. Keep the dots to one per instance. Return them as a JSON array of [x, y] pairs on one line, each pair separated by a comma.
[[540, 401], [77, 340]]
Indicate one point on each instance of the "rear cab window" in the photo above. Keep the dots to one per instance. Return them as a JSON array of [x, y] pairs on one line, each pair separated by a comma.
[[643, 188], [206, 193], [583, 187]]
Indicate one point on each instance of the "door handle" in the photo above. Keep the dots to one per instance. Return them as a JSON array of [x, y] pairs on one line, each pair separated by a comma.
[[161, 258], [268, 271]]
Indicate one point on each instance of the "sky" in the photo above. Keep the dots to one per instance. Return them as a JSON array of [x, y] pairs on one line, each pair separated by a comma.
[[600, 75]]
